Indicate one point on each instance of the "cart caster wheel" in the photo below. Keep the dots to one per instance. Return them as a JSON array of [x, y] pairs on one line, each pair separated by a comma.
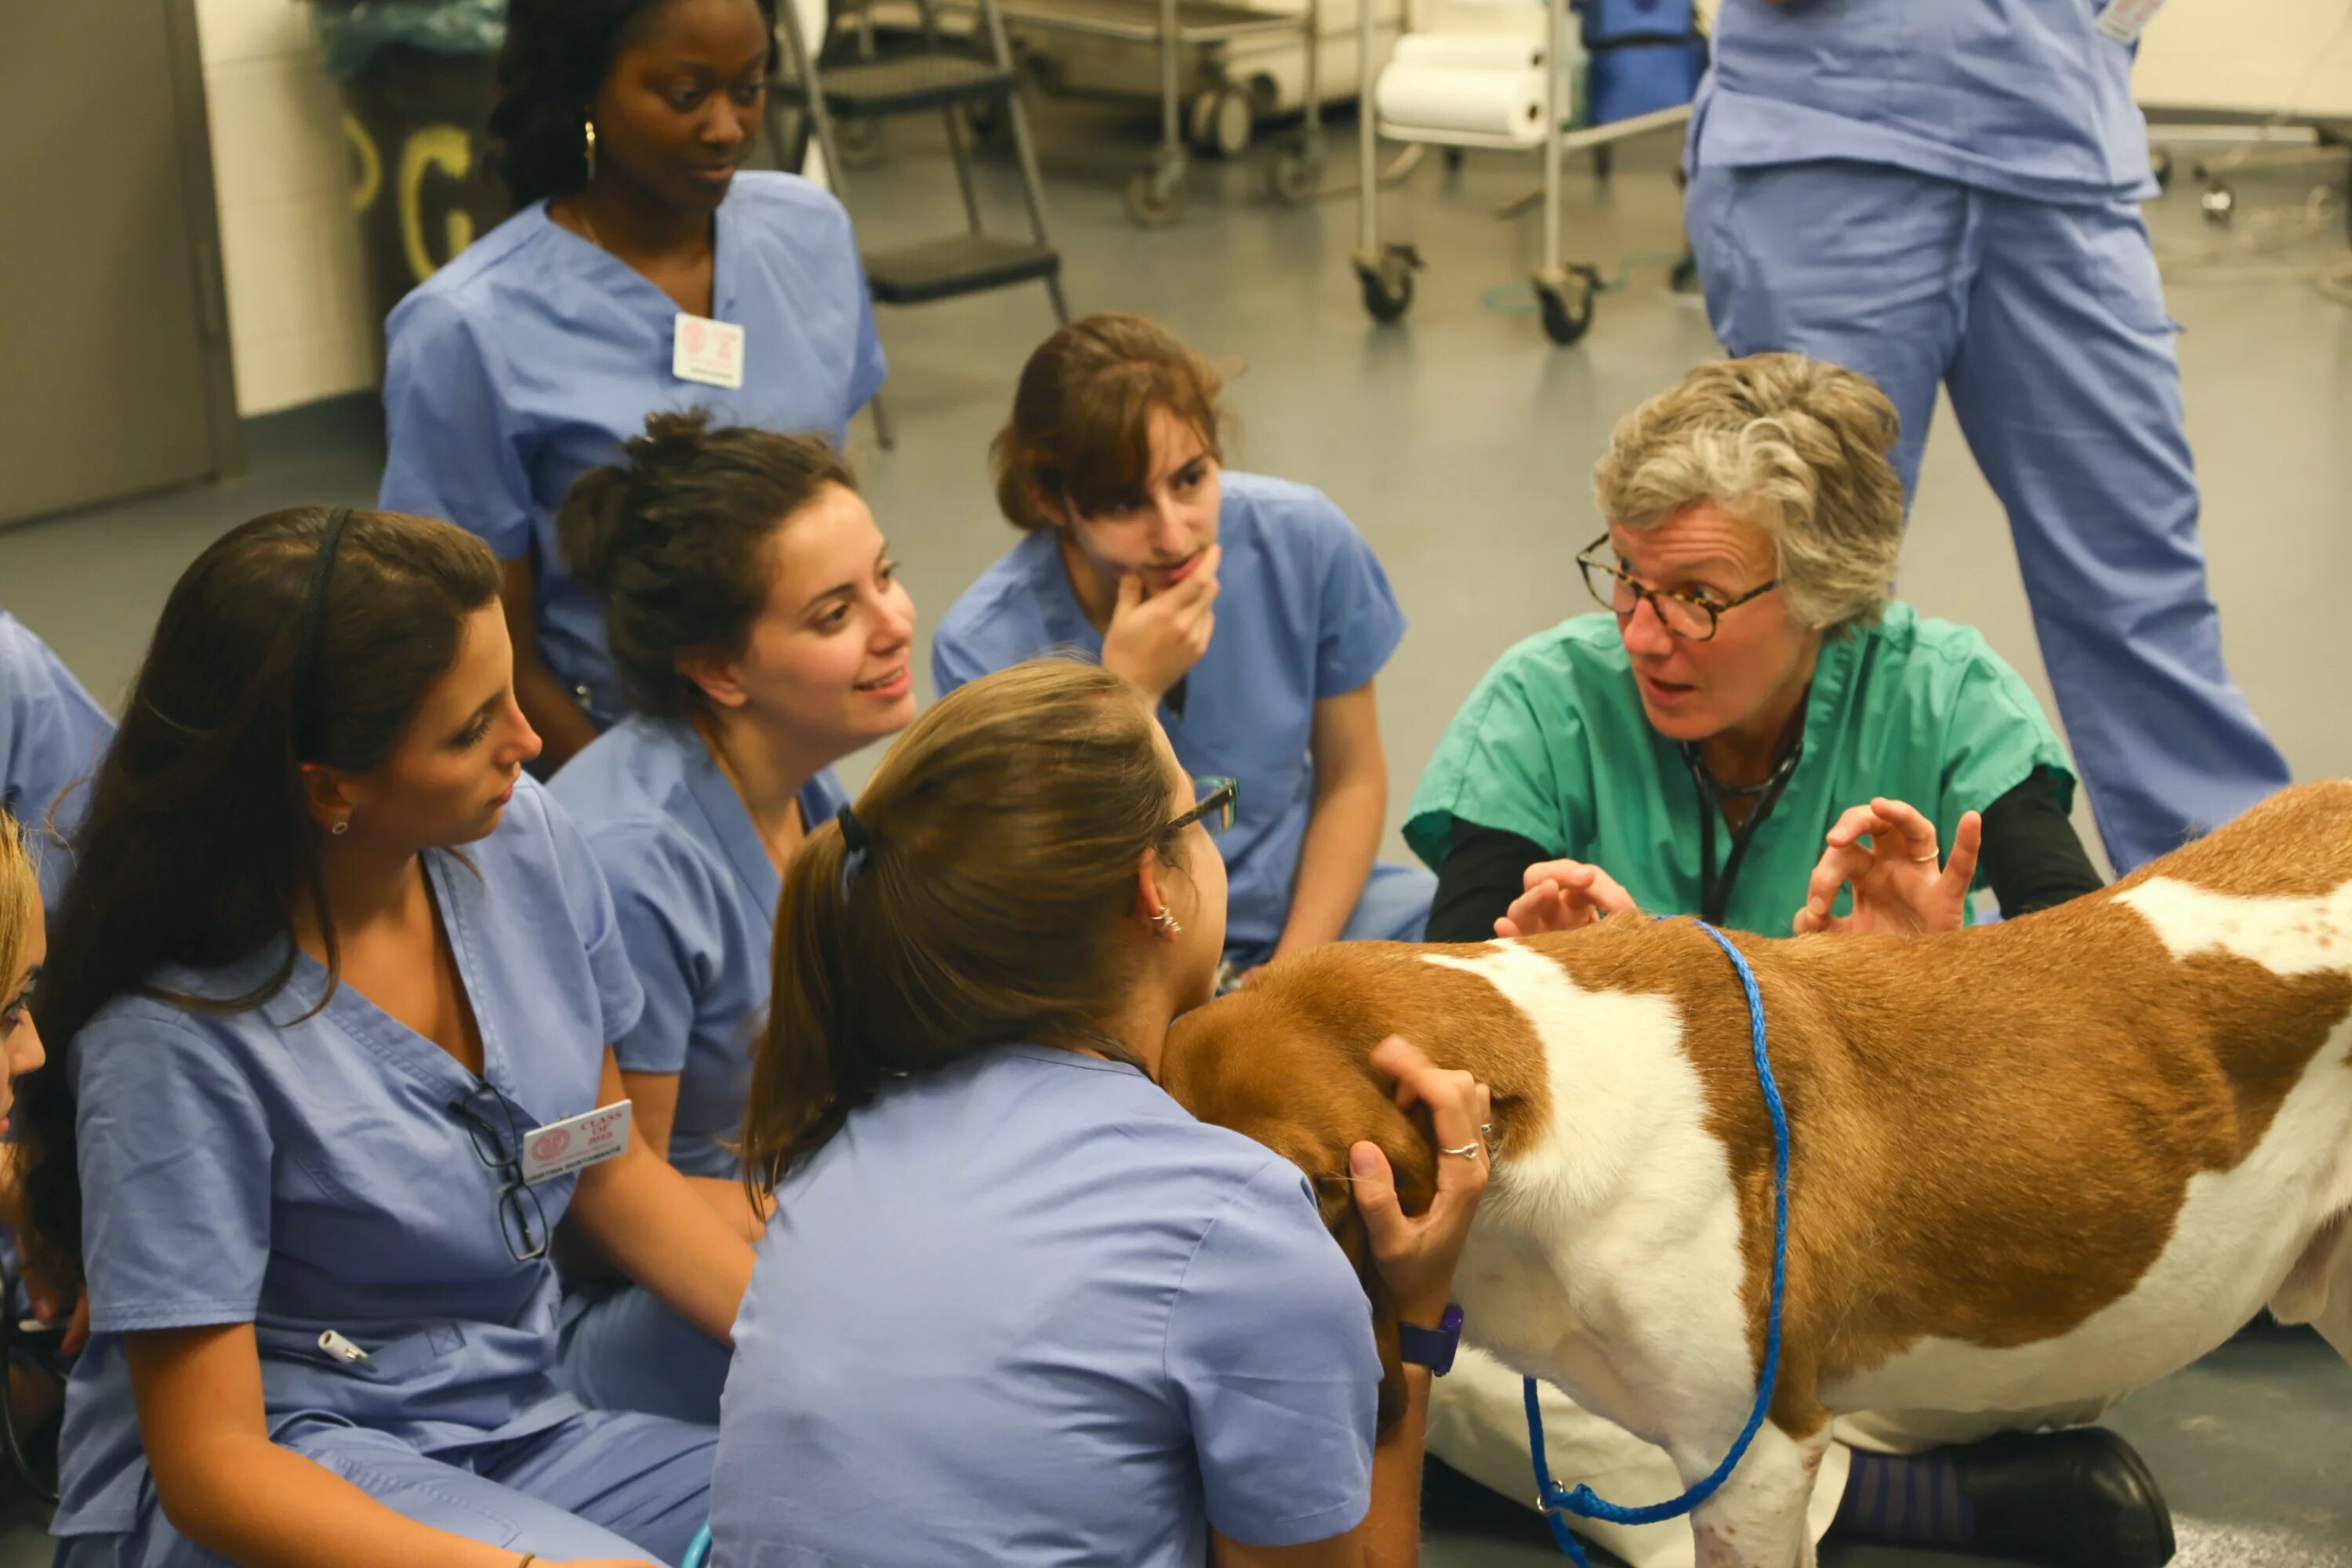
[[1565, 298], [1386, 281], [1229, 123], [1155, 195], [1295, 175], [2161, 164], [2220, 204], [860, 138], [1201, 120], [1684, 278], [1456, 158]]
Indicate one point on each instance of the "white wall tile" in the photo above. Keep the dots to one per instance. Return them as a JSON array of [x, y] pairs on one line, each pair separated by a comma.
[[276, 282], [251, 29], [278, 130]]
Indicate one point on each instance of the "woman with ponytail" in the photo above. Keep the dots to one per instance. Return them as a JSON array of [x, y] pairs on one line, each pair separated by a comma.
[[761, 635], [1016, 1305], [331, 997]]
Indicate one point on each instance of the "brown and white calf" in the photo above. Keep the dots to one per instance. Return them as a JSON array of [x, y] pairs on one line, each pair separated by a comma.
[[2033, 1164]]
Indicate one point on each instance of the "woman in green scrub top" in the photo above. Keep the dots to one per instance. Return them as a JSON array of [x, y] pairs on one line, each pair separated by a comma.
[[1751, 704], [1754, 731]]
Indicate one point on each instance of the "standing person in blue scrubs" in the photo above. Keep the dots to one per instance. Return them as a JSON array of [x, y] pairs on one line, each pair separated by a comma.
[[1948, 194], [642, 274], [51, 736], [1016, 1306], [1249, 609], [331, 997], [761, 635]]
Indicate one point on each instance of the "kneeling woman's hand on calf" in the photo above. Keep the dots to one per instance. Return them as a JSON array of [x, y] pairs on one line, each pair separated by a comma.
[[1416, 1255]]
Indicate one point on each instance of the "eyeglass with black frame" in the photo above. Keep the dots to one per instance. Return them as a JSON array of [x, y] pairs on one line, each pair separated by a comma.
[[522, 1220], [1691, 616], [1214, 801]]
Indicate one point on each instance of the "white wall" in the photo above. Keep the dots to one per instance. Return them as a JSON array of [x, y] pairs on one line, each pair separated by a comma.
[[298, 304], [2249, 55]]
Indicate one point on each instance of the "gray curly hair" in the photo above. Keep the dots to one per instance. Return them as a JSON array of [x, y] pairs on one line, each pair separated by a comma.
[[1797, 446]]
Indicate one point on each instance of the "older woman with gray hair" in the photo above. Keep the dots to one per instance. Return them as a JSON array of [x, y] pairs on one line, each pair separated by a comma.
[[1754, 731]]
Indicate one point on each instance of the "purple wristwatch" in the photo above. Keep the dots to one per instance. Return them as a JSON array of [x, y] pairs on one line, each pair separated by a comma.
[[1433, 1348]]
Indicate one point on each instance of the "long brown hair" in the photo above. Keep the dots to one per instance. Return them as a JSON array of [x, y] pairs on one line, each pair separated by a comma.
[[199, 847], [1000, 840], [1080, 432]]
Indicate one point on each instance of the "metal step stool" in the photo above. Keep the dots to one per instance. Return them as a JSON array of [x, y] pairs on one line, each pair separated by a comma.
[[955, 84]]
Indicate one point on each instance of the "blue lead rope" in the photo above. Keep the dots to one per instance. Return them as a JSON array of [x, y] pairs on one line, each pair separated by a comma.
[[1555, 1499], [698, 1552]]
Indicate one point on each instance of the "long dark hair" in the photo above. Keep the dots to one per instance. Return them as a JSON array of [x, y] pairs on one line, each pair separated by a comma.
[[999, 838], [675, 539], [199, 847], [556, 58]]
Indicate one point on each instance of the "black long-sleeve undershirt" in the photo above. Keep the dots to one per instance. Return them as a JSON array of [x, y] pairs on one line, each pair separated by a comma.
[[2031, 857]]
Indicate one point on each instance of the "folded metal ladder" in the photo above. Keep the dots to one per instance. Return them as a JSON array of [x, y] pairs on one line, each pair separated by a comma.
[[956, 83]]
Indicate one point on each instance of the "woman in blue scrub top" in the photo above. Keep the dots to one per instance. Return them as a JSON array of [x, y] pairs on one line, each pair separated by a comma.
[[1948, 194], [1016, 1305], [331, 996], [642, 274], [1248, 609], [761, 635], [51, 735]]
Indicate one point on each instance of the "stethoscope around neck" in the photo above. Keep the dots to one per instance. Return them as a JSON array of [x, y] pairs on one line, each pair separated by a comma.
[[1715, 891]]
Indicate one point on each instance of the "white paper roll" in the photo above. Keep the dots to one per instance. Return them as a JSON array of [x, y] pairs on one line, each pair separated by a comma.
[[1507, 104], [1469, 50]]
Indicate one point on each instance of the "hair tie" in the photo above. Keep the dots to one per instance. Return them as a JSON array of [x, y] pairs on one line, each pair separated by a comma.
[[303, 708], [855, 845]]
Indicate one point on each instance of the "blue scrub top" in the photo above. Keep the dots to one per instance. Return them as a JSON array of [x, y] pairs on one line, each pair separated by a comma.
[[52, 737], [1026, 1310], [305, 1173], [696, 895], [2025, 97], [1303, 612], [525, 362]]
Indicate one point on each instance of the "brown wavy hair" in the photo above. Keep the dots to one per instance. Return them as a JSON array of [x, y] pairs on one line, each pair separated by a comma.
[[1080, 432]]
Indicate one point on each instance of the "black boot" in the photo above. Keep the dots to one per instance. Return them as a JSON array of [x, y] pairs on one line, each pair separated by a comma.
[[2078, 1499]]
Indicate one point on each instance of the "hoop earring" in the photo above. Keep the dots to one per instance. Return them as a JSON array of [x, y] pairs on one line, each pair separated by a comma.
[[588, 128], [1165, 924], [342, 827]]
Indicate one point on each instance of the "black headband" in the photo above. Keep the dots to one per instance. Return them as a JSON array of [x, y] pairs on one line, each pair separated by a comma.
[[305, 709]]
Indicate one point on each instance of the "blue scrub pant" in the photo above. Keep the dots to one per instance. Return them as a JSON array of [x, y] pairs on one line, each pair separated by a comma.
[[620, 1349], [1395, 905], [2046, 324], [597, 1486]]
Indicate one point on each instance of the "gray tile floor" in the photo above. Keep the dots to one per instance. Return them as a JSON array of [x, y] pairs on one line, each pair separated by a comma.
[[1461, 444]]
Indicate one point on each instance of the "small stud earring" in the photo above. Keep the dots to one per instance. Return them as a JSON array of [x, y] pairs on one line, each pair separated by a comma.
[[589, 127], [342, 827], [1166, 923]]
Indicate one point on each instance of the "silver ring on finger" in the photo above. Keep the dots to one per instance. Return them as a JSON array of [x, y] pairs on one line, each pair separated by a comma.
[[1929, 858], [1468, 1152]]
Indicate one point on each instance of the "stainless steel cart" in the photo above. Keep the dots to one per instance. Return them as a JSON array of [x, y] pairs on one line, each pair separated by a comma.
[[1565, 291]]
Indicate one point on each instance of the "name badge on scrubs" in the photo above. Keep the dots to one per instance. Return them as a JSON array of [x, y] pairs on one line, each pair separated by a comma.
[[575, 1142], [707, 351], [2126, 20]]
